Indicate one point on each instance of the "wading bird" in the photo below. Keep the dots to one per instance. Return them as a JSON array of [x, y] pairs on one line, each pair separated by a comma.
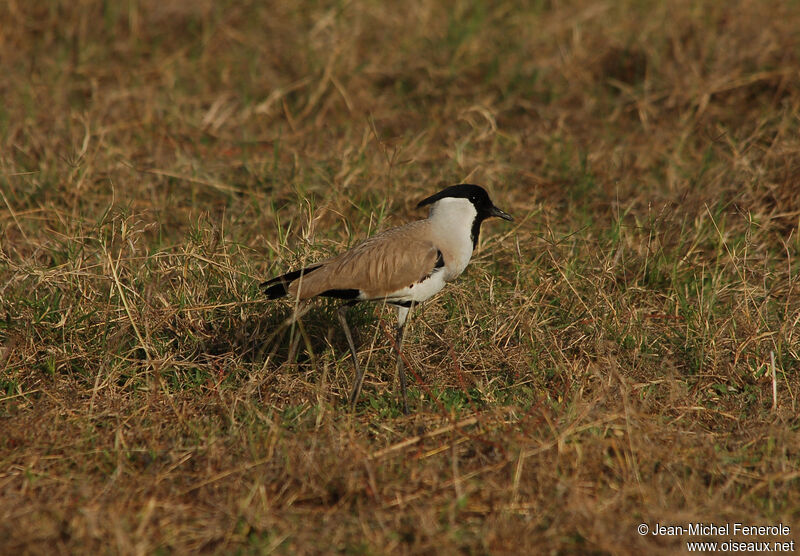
[[402, 266]]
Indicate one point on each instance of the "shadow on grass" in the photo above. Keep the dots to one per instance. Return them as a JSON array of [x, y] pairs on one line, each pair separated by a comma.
[[270, 336]]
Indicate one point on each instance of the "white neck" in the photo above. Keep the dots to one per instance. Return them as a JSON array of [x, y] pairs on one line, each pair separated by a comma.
[[451, 220]]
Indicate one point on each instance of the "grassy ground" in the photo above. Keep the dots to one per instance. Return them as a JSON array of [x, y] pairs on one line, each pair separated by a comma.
[[625, 352]]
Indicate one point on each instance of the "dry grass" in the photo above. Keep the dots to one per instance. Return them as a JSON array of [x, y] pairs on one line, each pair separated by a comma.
[[605, 360]]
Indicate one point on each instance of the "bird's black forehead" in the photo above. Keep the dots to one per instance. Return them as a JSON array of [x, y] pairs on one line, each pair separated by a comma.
[[474, 193]]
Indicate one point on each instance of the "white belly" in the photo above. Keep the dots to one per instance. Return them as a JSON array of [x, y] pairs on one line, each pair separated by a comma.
[[422, 290]]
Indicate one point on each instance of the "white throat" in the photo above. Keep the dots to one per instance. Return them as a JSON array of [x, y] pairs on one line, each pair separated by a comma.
[[451, 221]]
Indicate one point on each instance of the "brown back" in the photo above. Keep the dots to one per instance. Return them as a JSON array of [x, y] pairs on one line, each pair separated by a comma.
[[384, 263]]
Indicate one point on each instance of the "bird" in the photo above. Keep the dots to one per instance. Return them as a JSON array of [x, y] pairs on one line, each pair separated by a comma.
[[402, 266]]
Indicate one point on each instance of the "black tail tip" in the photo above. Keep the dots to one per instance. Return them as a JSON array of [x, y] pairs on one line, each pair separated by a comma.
[[273, 290], [279, 286]]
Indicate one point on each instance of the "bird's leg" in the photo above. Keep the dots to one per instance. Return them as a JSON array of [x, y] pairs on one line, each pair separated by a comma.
[[294, 339], [341, 312], [300, 309], [402, 315], [294, 343]]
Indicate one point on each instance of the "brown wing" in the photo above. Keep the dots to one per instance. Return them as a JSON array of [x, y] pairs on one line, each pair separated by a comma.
[[379, 266]]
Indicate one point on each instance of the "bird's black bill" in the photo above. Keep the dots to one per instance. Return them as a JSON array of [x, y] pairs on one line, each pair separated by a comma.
[[500, 214]]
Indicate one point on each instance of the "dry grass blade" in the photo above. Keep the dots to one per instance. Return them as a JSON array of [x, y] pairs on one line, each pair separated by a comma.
[[418, 438]]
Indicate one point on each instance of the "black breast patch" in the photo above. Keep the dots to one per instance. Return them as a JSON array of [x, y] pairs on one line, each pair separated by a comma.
[[439, 264], [439, 260]]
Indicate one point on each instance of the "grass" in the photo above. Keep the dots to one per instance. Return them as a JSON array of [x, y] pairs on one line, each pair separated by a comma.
[[606, 360]]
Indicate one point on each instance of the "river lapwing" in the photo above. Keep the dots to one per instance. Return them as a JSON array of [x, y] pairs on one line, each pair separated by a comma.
[[402, 266]]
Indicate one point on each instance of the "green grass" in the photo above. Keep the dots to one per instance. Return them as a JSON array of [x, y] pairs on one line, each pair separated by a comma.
[[605, 360]]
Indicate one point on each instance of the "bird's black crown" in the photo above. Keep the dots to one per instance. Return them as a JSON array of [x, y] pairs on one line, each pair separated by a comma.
[[475, 193]]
